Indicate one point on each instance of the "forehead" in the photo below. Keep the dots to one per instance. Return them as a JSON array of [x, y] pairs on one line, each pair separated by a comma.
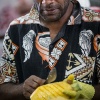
[[38, 1]]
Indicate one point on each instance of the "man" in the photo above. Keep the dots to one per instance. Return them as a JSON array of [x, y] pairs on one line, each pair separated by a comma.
[[56, 33]]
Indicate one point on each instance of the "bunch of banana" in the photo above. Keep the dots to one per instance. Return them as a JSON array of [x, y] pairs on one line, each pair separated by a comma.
[[69, 89]]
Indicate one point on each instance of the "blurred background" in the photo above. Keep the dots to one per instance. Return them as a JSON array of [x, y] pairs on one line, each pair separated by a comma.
[[11, 9]]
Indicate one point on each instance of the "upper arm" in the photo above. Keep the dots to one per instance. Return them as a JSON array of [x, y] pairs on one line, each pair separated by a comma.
[[8, 72], [97, 40]]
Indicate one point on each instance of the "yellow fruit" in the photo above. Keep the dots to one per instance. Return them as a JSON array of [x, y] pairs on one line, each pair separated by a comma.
[[87, 91], [51, 91], [70, 79], [69, 89], [60, 98]]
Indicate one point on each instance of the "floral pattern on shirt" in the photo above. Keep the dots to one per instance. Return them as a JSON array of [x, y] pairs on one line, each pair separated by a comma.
[[8, 71]]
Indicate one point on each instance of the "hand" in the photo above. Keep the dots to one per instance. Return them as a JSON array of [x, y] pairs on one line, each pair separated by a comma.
[[31, 84]]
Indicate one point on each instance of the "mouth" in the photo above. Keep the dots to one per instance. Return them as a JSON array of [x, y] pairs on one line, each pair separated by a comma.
[[50, 11]]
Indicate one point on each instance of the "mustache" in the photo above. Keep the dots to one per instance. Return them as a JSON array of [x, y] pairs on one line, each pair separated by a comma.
[[49, 7]]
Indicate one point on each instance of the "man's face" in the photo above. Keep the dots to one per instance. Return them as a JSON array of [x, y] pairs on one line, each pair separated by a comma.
[[52, 10]]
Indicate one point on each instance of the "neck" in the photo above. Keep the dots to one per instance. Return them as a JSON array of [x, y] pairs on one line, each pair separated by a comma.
[[56, 26]]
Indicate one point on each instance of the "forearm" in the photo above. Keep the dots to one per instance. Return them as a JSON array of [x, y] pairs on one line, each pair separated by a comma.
[[97, 93], [9, 91]]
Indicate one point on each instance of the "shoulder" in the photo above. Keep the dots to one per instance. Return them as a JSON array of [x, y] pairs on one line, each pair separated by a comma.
[[89, 15], [26, 19]]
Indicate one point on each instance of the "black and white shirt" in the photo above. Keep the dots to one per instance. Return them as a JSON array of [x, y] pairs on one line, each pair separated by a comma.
[[28, 49]]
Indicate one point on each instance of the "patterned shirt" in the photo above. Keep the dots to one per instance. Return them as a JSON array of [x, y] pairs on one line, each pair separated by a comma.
[[28, 49]]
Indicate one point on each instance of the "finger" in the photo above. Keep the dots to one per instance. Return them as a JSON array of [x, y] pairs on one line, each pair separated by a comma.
[[27, 94], [30, 82], [34, 84], [38, 80], [29, 89]]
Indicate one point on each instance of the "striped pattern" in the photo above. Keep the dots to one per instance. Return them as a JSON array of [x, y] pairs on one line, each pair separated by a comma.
[[51, 91]]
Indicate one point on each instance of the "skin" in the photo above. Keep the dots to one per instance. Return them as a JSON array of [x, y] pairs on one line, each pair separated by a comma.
[[57, 13], [51, 11], [31, 84], [54, 13], [20, 91]]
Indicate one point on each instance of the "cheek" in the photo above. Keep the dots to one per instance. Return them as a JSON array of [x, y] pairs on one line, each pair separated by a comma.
[[63, 3]]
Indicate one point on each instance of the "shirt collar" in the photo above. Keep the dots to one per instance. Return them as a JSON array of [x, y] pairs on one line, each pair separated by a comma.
[[75, 17]]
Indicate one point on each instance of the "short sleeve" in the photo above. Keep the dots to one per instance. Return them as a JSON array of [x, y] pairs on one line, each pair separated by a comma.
[[8, 72], [97, 38]]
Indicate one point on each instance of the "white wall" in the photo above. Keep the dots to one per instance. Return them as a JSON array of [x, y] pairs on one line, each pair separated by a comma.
[[84, 3], [4, 3]]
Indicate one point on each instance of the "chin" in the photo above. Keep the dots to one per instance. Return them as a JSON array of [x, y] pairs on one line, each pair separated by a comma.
[[51, 18]]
